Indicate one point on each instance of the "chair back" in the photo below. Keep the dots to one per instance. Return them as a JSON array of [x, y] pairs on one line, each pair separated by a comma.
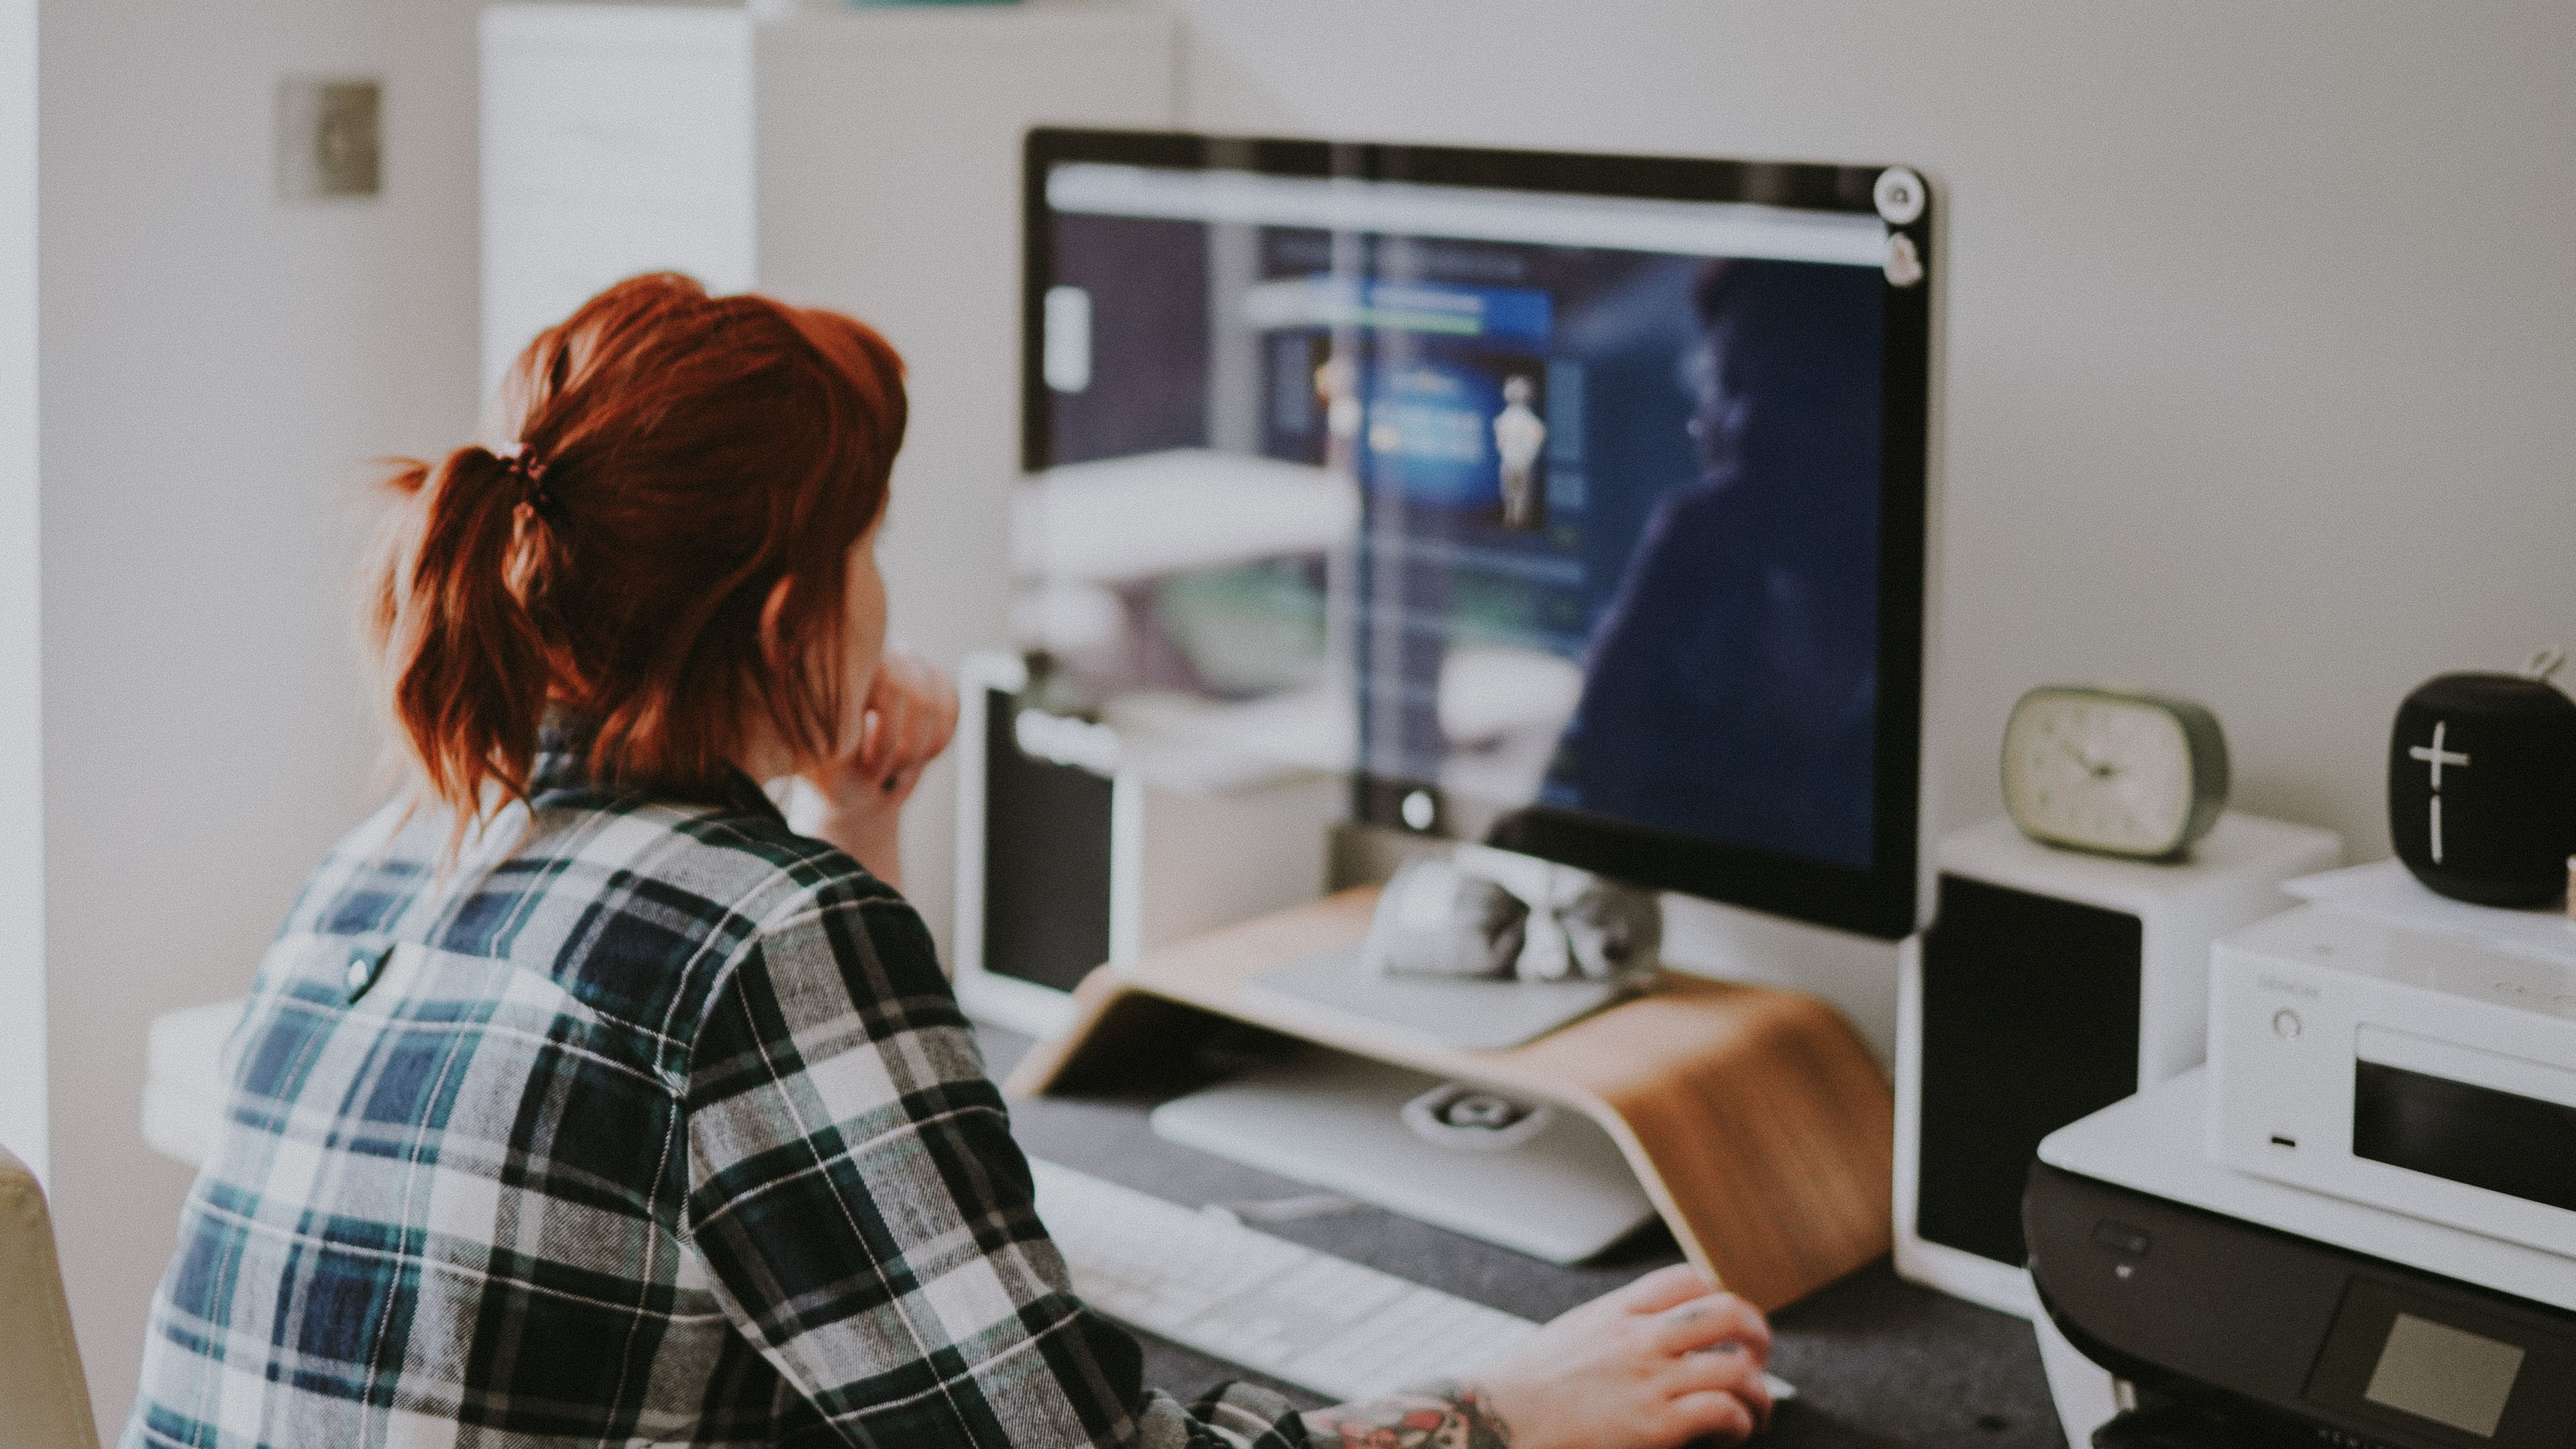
[[41, 1384]]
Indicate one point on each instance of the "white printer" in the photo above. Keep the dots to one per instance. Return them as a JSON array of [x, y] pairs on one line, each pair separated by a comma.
[[2356, 1226]]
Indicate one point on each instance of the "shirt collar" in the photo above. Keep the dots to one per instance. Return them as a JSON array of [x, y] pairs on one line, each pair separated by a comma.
[[562, 763]]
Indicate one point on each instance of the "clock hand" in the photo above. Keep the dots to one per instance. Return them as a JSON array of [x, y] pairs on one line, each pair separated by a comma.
[[2098, 772]]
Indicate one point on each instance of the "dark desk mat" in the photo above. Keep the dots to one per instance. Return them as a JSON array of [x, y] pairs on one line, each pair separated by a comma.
[[1878, 1362]]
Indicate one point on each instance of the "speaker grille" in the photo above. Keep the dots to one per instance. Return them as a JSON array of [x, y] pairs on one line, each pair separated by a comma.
[[2030, 1021], [1046, 859]]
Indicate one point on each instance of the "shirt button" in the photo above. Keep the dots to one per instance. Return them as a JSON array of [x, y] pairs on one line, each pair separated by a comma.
[[364, 964]]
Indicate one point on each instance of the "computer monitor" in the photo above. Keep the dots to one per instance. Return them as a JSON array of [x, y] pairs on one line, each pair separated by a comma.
[[1582, 499]]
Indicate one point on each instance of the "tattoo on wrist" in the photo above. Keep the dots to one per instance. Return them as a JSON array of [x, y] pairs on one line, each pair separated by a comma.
[[1443, 1415]]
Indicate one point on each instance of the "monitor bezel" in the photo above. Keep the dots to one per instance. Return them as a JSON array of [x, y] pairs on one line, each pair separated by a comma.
[[1888, 899]]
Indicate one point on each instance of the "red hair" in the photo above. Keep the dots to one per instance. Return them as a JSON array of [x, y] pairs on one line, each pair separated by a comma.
[[679, 458]]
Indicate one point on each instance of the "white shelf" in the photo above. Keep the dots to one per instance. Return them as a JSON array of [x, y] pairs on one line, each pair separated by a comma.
[[1185, 508]]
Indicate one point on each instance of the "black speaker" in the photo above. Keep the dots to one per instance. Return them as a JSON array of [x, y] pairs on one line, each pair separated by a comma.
[[2482, 787], [2030, 1021], [1046, 860], [1072, 855], [2052, 984]]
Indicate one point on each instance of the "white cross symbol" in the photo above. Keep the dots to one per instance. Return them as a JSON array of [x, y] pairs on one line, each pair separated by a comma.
[[2436, 756]]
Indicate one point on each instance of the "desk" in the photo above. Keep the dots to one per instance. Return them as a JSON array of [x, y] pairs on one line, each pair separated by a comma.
[[1878, 1362]]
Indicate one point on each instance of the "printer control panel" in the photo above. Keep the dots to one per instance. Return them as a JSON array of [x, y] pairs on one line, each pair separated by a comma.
[[2392, 1351]]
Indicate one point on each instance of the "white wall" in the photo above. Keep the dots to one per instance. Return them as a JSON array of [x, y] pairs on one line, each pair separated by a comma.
[[22, 920], [2259, 358], [219, 368]]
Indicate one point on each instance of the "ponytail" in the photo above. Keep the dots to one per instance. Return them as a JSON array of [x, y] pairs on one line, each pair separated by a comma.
[[455, 617]]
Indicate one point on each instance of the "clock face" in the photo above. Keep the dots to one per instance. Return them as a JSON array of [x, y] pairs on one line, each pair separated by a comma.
[[2100, 771]]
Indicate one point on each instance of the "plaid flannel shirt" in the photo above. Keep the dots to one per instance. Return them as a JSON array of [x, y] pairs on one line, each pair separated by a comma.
[[652, 1123]]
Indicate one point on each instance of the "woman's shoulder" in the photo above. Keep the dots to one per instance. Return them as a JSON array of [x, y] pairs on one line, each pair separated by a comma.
[[637, 906], [691, 898], [753, 844], [735, 854], [738, 860]]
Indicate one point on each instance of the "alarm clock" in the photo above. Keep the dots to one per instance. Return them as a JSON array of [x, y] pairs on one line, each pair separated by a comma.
[[2482, 785], [2118, 771]]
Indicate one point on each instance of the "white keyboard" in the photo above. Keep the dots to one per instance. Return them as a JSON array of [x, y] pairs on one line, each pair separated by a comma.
[[1205, 1281]]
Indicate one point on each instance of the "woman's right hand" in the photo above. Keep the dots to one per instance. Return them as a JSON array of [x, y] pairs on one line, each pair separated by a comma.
[[1664, 1360], [906, 720]]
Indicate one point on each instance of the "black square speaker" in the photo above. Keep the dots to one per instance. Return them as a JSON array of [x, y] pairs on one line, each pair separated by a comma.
[[2030, 1021], [2052, 984], [1046, 859]]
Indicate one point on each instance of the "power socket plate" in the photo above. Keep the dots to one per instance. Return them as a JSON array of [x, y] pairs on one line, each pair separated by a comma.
[[330, 137]]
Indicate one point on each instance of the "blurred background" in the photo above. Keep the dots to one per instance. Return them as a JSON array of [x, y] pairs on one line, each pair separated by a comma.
[[2261, 340]]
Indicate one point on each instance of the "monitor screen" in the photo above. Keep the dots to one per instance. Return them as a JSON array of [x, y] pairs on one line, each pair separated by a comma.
[[1575, 503]]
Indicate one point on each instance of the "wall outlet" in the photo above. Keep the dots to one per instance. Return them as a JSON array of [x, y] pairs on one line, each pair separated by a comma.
[[330, 137]]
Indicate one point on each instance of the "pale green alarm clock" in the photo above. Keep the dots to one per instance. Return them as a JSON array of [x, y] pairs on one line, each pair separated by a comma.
[[2114, 770]]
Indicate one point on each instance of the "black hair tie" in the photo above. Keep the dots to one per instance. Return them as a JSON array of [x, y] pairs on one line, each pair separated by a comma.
[[530, 469]]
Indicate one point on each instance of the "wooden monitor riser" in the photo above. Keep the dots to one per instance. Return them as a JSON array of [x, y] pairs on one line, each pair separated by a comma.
[[1755, 1119]]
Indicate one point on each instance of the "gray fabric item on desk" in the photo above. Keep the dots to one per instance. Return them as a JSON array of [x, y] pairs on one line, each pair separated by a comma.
[[1437, 920], [1444, 918]]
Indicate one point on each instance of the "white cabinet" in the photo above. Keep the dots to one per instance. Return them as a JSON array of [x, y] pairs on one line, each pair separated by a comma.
[[616, 140]]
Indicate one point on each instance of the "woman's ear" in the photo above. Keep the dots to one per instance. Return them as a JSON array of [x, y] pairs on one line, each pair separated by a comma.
[[765, 753], [771, 610]]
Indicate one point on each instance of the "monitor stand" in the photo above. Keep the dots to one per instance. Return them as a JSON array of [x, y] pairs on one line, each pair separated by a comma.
[[1464, 1013], [1337, 1121], [1755, 1120]]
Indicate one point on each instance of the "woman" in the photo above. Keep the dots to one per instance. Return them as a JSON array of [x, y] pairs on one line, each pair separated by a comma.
[[580, 1100]]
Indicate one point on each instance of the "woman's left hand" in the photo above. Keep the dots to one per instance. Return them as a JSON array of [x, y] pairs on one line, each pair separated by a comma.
[[908, 717]]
